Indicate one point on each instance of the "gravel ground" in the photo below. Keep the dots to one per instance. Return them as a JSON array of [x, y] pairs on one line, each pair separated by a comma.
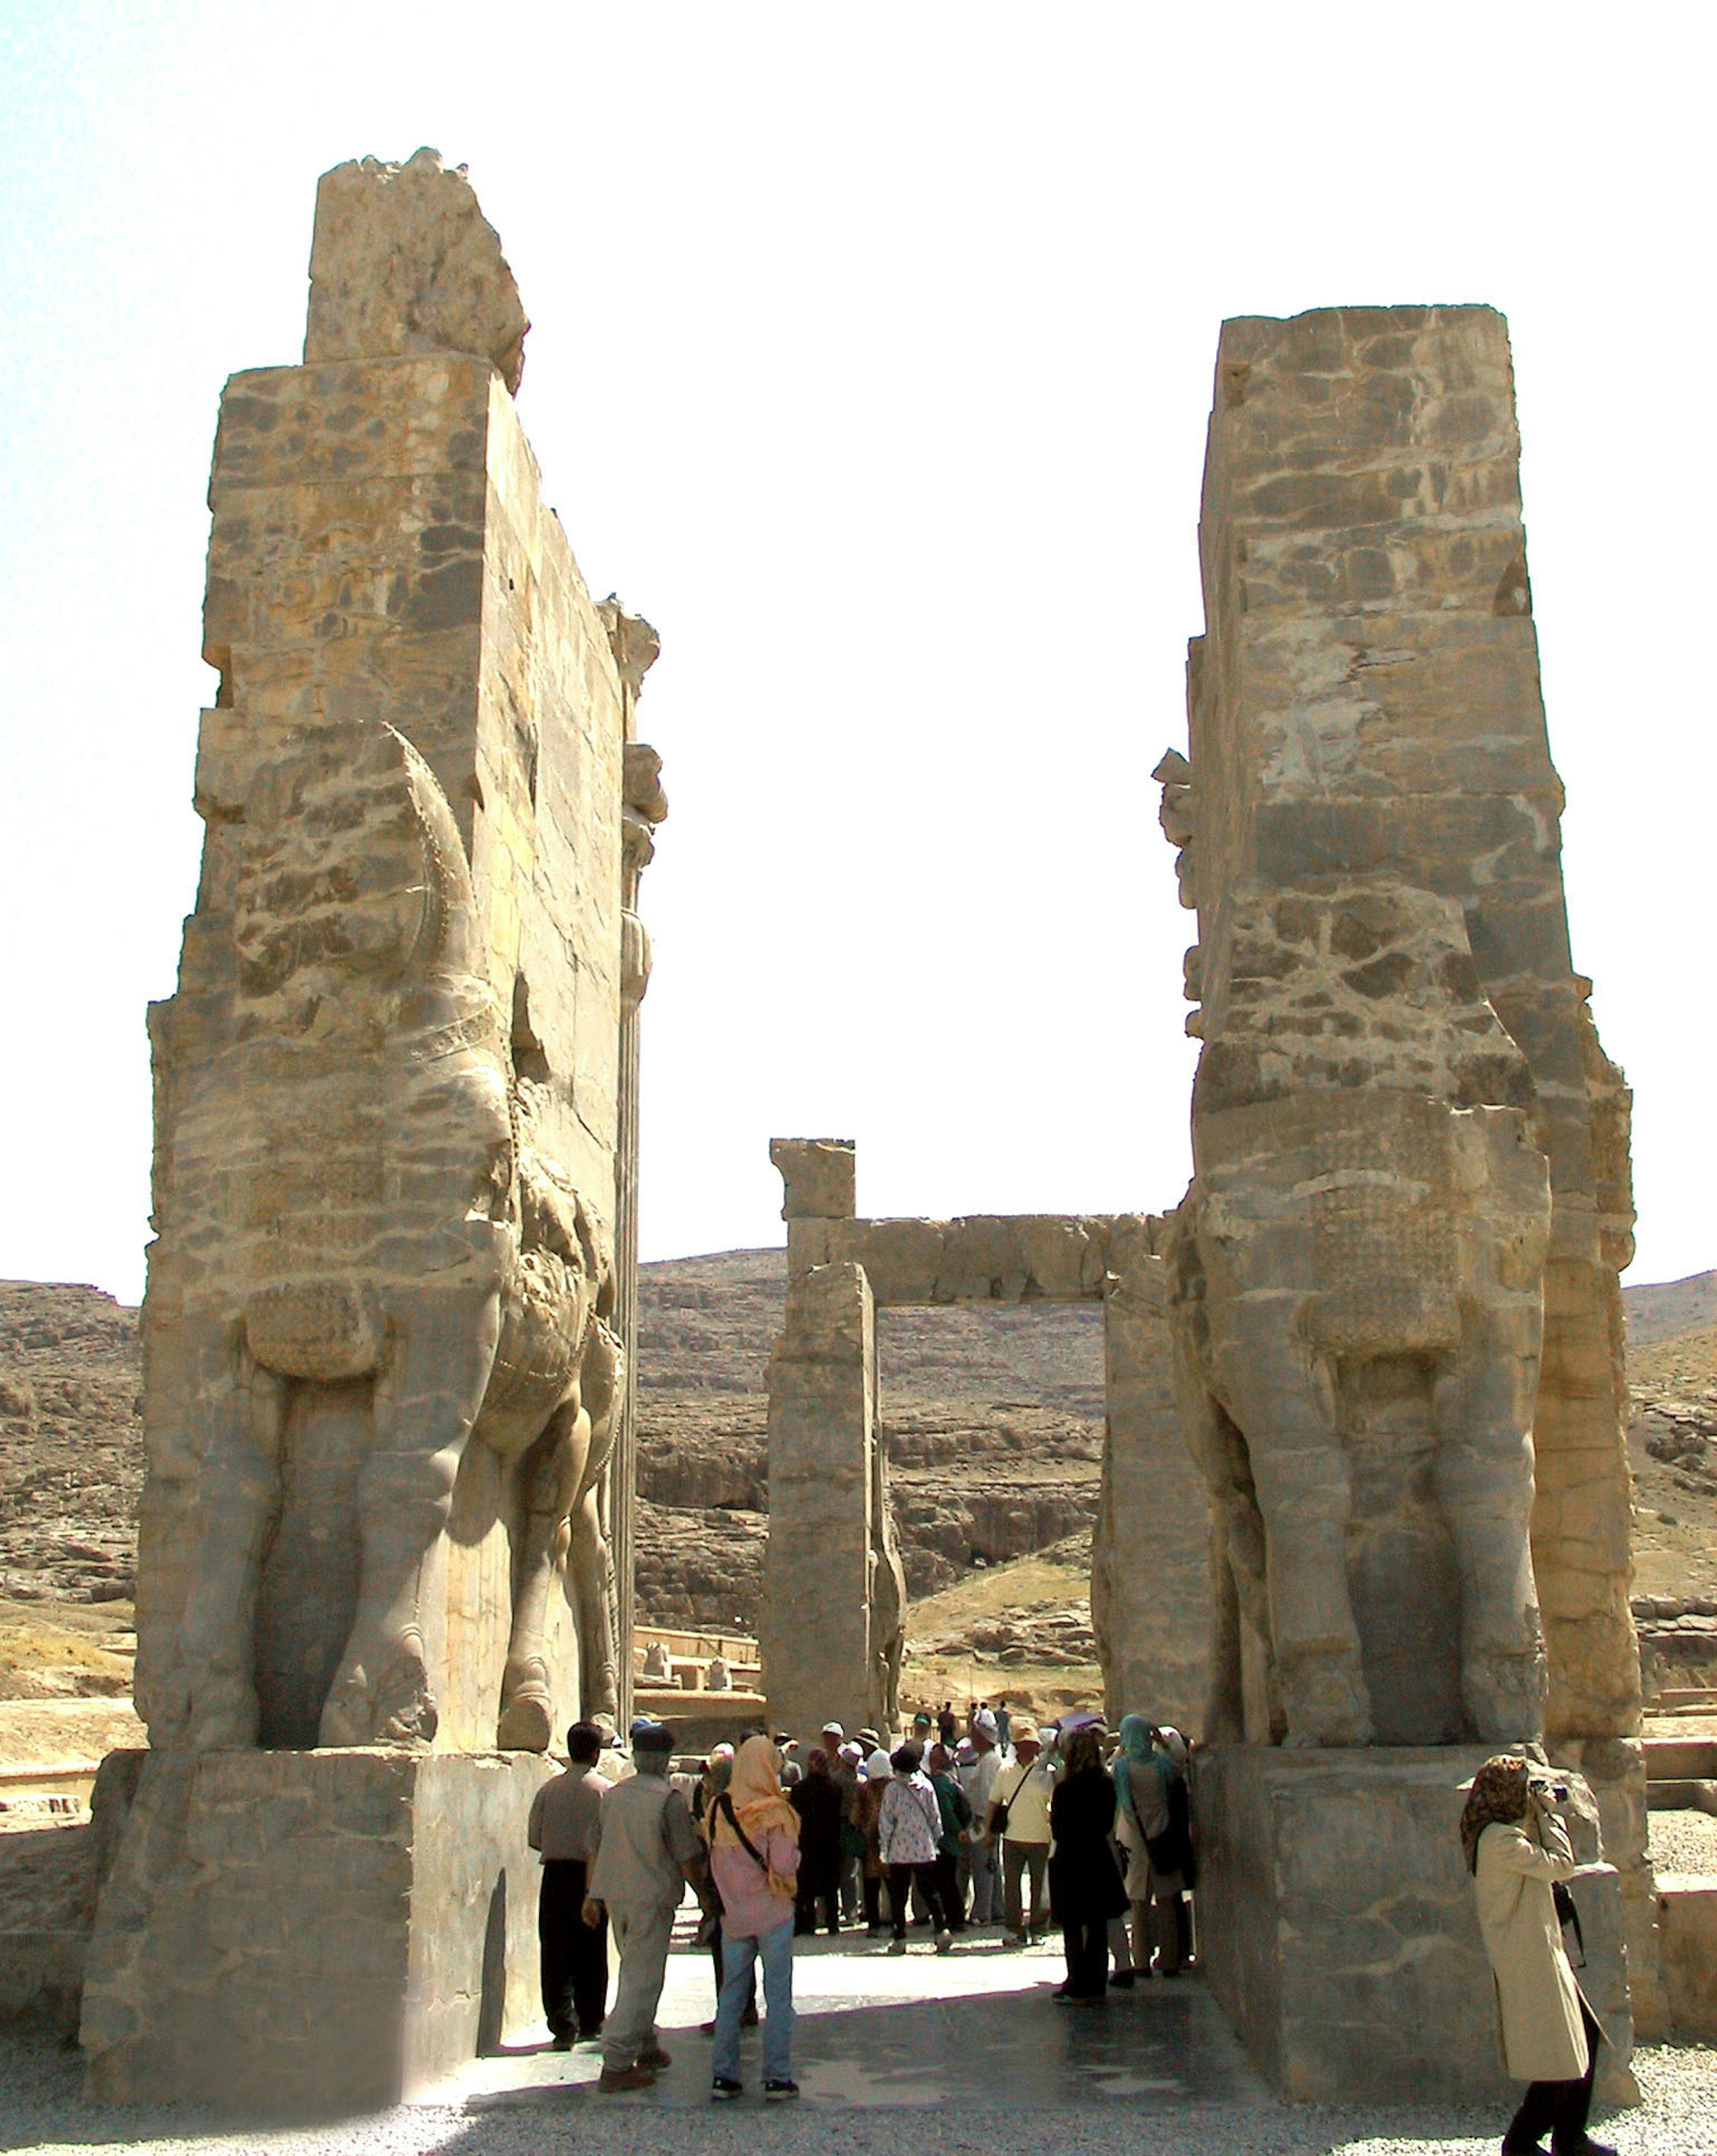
[[41, 2110], [1684, 1842]]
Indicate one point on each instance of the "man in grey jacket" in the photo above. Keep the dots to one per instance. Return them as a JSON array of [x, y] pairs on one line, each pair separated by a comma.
[[647, 1852], [565, 1825]]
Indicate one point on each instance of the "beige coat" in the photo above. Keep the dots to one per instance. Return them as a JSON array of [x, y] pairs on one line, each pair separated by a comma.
[[1537, 2001]]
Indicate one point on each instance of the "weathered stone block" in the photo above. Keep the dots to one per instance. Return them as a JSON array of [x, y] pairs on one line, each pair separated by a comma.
[[1338, 1927], [819, 1178], [832, 1634], [404, 260], [311, 1931], [1686, 1919]]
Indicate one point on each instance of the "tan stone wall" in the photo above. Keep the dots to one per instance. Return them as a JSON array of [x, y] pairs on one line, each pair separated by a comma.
[[1366, 702]]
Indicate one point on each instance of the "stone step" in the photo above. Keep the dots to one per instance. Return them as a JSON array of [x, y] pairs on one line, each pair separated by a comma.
[[1681, 1758], [1687, 1796]]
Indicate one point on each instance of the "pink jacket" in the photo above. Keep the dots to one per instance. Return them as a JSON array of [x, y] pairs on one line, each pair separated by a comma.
[[750, 1906]]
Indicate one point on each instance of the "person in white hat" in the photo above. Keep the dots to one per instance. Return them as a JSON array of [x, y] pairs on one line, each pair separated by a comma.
[[978, 1771]]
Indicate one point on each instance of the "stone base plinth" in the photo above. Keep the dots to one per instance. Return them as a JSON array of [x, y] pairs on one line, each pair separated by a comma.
[[288, 1932], [1337, 1927], [1688, 1916]]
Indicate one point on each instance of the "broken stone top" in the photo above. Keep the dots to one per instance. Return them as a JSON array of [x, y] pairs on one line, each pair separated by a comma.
[[404, 263]]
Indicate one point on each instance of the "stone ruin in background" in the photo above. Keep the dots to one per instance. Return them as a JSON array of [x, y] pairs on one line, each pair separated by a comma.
[[833, 1628], [385, 1537], [1386, 1321]]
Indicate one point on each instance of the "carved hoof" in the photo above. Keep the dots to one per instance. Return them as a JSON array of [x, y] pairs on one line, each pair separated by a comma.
[[527, 1722], [397, 1707], [220, 1714], [1505, 1696], [1327, 1706]]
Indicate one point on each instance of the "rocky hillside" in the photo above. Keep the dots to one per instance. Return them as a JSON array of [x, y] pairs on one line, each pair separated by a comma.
[[71, 1443], [994, 1418]]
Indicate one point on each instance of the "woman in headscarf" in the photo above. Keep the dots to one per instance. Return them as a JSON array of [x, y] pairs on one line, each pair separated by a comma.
[[1518, 1850], [1151, 1821], [754, 1856], [717, 1771], [820, 1804], [1085, 1886], [867, 1809]]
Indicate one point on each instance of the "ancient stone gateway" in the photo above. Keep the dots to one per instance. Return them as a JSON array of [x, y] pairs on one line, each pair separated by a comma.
[[834, 1601], [1394, 1303], [387, 1324]]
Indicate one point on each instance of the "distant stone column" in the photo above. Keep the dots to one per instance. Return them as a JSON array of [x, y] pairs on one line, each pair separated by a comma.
[[1149, 1564], [832, 1629]]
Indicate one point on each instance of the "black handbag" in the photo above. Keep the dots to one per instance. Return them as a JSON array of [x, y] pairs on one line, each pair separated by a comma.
[[1568, 1915]]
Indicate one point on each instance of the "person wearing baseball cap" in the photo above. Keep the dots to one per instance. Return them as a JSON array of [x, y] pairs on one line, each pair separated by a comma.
[[646, 1852]]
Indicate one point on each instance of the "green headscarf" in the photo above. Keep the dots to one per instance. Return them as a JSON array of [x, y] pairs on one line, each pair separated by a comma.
[[1136, 1750]]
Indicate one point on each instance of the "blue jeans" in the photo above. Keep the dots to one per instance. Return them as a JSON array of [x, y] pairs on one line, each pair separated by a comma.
[[775, 1947]]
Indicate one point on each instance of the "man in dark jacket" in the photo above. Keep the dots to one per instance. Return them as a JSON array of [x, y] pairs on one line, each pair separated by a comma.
[[821, 1803]]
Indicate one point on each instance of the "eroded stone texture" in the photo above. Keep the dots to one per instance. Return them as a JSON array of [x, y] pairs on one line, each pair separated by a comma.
[[289, 1932], [404, 261], [1395, 1267], [386, 1332], [389, 1090]]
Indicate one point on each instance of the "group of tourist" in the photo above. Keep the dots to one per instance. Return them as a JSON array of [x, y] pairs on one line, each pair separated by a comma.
[[948, 1830], [1098, 1829]]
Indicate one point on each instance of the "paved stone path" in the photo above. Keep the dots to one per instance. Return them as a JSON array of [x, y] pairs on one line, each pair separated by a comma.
[[967, 2052], [921, 2030]]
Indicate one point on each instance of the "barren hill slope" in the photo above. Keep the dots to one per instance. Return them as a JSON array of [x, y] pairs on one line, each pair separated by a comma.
[[993, 1417]]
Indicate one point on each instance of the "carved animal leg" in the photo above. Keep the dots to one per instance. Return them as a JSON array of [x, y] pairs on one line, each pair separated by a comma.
[[590, 1564], [1237, 1572], [439, 1353], [549, 1475], [1484, 1469], [1283, 1399], [604, 1391], [214, 1704]]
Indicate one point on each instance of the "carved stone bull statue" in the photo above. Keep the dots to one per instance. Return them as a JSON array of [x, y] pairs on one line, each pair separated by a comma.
[[352, 1198], [1357, 1277]]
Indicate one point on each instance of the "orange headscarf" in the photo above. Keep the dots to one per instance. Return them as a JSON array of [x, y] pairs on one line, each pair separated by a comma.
[[755, 1787]]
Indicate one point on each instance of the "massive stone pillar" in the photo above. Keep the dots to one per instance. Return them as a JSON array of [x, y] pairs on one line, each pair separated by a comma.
[[384, 1330], [1150, 1568], [833, 1625], [1395, 1271]]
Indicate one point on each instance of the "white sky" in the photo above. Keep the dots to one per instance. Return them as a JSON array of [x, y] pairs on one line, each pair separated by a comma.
[[872, 360]]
